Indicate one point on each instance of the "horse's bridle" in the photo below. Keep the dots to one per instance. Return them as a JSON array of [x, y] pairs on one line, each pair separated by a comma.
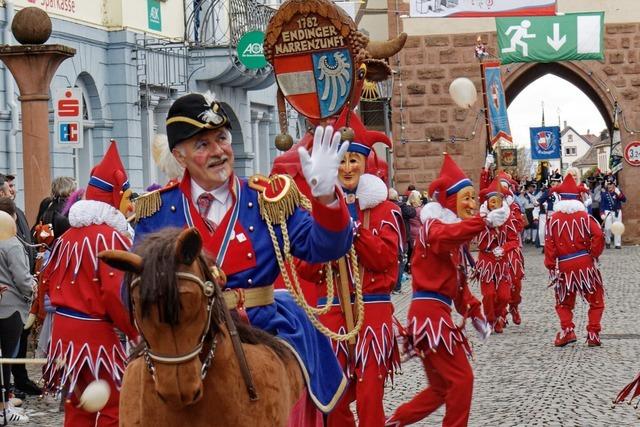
[[208, 287]]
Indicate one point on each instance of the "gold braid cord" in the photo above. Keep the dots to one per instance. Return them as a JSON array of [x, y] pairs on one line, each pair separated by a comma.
[[148, 204], [294, 288]]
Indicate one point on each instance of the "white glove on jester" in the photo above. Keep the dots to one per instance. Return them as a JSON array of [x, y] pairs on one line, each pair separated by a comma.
[[497, 217], [482, 327], [488, 161], [320, 169]]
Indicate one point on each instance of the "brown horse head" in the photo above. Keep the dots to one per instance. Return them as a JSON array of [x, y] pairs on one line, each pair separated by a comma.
[[169, 309]]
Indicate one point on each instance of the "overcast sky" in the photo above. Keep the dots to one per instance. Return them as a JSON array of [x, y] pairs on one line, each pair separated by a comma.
[[575, 107]]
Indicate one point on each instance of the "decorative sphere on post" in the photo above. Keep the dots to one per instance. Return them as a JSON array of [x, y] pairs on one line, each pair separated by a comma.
[[347, 134], [31, 25], [463, 92], [617, 228]]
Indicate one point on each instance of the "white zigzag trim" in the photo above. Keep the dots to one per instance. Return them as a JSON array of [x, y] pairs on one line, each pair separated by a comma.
[[67, 254], [445, 333]]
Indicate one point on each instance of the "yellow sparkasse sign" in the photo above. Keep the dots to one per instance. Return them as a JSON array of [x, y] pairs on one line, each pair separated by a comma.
[[112, 14], [89, 11]]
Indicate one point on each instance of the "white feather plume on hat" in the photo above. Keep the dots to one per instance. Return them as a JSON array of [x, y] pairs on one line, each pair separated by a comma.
[[164, 159]]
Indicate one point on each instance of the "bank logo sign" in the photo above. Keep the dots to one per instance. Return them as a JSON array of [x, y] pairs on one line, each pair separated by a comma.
[[251, 50], [154, 15], [568, 37], [67, 118]]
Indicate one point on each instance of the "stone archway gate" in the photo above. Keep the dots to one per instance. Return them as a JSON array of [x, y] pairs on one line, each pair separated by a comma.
[[428, 64]]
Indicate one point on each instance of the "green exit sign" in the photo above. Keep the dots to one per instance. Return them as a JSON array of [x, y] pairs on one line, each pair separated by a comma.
[[568, 37]]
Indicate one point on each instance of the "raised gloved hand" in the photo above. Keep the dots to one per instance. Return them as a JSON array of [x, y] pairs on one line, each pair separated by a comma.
[[617, 191], [498, 252], [482, 327], [489, 160], [320, 168], [499, 216]]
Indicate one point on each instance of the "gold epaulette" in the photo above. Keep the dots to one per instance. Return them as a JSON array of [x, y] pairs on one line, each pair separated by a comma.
[[279, 197], [150, 203]]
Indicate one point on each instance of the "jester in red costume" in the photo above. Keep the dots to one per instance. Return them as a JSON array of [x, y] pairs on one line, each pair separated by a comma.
[[573, 243], [84, 346], [495, 245], [439, 280], [370, 360], [515, 257]]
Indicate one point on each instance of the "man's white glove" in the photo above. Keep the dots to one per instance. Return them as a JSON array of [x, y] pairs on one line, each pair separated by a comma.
[[488, 161], [509, 199], [482, 327], [499, 216], [617, 191], [498, 252], [320, 169], [484, 210]]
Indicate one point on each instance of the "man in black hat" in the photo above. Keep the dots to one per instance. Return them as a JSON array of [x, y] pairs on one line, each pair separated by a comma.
[[234, 215]]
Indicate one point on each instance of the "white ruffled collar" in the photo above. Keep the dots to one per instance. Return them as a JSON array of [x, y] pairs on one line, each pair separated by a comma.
[[93, 212], [569, 206], [435, 210], [371, 191]]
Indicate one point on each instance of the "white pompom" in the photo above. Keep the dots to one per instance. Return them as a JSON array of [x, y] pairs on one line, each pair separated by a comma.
[[95, 396], [617, 228], [463, 92]]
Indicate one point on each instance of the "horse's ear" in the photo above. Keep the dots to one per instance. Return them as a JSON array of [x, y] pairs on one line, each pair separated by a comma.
[[122, 260], [188, 246]]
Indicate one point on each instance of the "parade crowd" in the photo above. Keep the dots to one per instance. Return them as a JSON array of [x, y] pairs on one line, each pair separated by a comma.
[[312, 256]]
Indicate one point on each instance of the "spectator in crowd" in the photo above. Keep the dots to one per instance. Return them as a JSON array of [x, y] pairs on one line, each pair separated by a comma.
[[415, 201], [22, 384], [54, 211], [528, 199], [596, 190], [408, 212], [611, 200], [16, 288]]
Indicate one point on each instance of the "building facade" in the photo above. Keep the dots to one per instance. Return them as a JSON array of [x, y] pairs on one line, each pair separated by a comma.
[[133, 59]]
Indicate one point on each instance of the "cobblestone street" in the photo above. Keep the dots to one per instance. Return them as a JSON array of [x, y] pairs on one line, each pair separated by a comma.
[[521, 378]]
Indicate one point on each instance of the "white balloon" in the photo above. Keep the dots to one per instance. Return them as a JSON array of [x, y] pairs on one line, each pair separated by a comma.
[[7, 226], [95, 396], [617, 228], [463, 92]]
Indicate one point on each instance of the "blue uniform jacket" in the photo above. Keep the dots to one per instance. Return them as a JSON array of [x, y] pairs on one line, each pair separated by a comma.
[[610, 201], [248, 259]]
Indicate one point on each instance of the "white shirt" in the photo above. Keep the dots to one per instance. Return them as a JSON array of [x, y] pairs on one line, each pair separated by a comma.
[[220, 205]]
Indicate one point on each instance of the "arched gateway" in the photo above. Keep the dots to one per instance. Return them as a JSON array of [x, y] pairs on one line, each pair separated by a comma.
[[427, 120]]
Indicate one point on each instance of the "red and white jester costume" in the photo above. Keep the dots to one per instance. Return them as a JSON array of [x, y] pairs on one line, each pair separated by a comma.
[[86, 294], [573, 243], [375, 355], [439, 280], [495, 247]]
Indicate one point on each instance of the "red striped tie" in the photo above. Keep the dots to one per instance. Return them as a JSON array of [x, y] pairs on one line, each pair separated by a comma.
[[205, 200]]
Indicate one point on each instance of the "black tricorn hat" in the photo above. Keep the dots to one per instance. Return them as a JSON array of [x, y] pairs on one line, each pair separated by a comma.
[[194, 113]]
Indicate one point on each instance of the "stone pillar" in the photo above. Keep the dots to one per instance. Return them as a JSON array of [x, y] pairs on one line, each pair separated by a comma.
[[256, 116], [33, 67], [264, 143]]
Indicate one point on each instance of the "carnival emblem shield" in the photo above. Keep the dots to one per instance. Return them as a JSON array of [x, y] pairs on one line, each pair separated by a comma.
[[310, 45], [317, 84]]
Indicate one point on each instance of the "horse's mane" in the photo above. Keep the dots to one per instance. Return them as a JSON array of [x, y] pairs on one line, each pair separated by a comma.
[[158, 287]]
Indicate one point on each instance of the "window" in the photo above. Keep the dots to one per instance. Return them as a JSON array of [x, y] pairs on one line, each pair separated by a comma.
[[570, 138], [570, 151]]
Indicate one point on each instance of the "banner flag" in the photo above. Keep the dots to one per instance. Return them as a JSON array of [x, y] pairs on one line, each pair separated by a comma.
[[466, 9], [495, 103], [545, 142]]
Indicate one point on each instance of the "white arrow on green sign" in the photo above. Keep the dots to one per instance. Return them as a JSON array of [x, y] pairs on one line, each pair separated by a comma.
[[568, 37]]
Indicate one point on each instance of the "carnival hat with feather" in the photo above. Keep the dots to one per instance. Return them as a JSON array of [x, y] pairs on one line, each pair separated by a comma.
[[194, 113], [109, 182], [451, 180]]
